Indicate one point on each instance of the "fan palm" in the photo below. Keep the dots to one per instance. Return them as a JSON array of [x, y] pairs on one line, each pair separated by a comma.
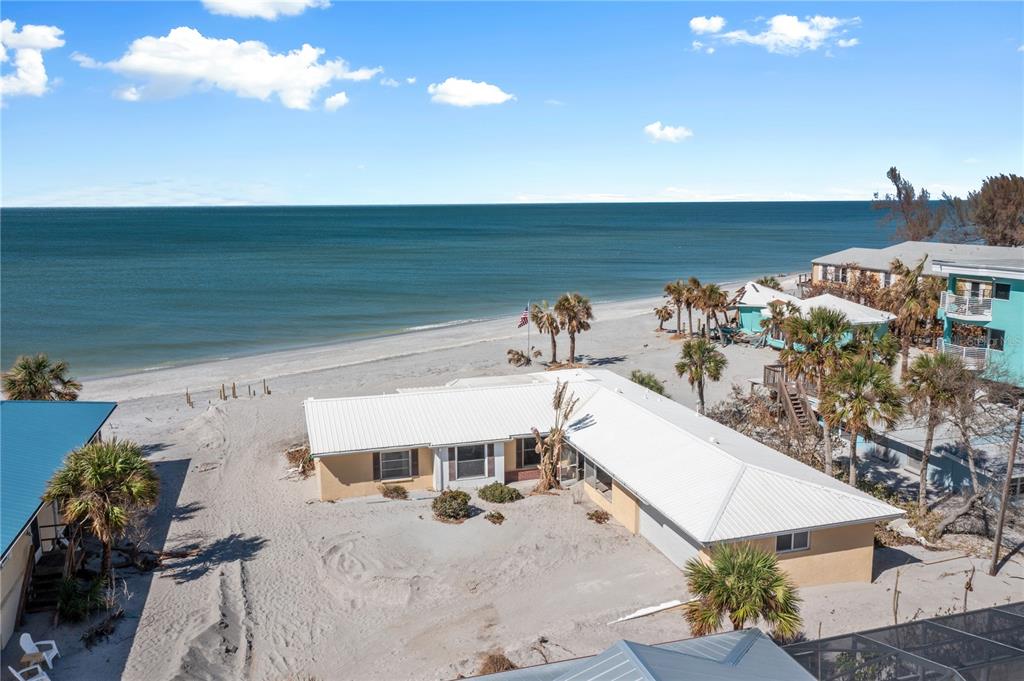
[[914, 299], [713, 300], [743, 584], [882, 349], [861, 394], [550, 446], [546, 322], [691, 298], [675, 291], [769, 282], [934, 384], [37, 378], [700, 361], [779, 312], [574, 315], [821, 334], [101, 486], [663, 313]]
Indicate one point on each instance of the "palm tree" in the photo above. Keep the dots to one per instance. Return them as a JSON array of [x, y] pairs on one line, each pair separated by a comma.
[[648, 380], [821, 334], [741, 583], [574, 315], [550, 446], [914, 299], [933, 384], [779, 312], [700, 361], [691, 298], [663, 313], [101, 486], [675, 291], [769, 282], [860, 394], [713, 300], [36, 378], [546, 322], [882, 349]]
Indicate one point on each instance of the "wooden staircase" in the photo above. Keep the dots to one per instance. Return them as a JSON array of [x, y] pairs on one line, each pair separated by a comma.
[[44, 588], [798, 408]]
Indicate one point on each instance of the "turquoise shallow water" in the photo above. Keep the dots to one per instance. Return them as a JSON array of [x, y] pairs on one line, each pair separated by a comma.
[[121, 289]]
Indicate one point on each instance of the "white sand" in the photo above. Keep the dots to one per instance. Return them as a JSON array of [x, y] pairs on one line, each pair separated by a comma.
[[285, 585]]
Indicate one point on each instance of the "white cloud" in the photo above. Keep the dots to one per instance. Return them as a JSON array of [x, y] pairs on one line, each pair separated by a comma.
[[461, 92], [698, 46], [389, 82], [787, 34], [128, 94], [666, 133], [707, 24], [1021, 48], [262, 9], [335, 101], [29, 77], [411, 80], [710, 50], [554, 102], [852, 42], [185, 59]]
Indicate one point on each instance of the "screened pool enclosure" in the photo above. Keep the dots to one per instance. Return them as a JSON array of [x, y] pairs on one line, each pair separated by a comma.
[[980, 645]]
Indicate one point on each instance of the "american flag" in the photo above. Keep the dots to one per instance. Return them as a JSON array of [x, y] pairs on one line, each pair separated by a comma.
[[524, 318]]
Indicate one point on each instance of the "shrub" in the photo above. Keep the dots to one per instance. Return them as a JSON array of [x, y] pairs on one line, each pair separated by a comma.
[[451, 504], [600, 516], [497, 493], [300, 459], [492, 663], [649, 381], [495, 517], [517, 358], [394, 491], [75, 601]]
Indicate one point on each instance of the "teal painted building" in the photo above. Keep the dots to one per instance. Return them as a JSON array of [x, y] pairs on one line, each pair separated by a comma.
[[982, 310]]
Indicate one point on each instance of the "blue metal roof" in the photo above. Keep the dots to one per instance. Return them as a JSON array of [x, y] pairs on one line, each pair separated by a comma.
[[34, 439]]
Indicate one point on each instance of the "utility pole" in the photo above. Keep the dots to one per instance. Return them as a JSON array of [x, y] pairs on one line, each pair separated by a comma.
[[1005, 500]]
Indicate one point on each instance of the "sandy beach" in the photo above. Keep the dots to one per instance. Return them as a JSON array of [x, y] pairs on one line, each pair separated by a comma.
[[275, 584]]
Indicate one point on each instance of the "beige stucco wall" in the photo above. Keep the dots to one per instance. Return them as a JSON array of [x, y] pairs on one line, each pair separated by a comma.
[[836, 554], [510, 455], [351, 475], [11, 576], [623, 506]]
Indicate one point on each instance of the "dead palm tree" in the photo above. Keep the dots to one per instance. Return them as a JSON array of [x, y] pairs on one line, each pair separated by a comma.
[[545, 320], [700, 361], [934, 384], [37, 378], [675, 291], [861, 394], [550, 446], [691, 298], [743, 584], [574, 315], [101, 486], [663, 313], [821, 334], [914, 299]]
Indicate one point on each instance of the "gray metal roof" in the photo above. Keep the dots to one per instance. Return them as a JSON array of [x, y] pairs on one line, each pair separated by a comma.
[[911, 252], [730, 656]]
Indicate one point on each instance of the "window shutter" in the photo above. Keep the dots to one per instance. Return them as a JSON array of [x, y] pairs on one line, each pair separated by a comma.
[[414, 463], [490, 460], [376, 465]]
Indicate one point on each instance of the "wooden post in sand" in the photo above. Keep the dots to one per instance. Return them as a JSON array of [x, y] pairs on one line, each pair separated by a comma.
[[188, 399], [223, 392], [234, 394]]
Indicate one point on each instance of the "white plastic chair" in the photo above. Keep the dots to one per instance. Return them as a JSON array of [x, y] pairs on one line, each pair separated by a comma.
[[32, 647], [37, 673]]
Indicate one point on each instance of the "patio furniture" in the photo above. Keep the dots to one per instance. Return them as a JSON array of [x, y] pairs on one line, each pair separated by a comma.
[[32, 648], [33, 673]]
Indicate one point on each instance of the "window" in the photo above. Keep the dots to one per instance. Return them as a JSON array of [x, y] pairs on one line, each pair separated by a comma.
[[598, 478], [996, 339], [470, 461], [1001, 291], [526, 452], [794, 541], [887, 280], [843, 275], [395, 465]]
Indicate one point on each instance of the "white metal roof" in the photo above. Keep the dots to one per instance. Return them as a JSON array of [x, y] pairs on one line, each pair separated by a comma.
[[711, 481], [755, 295], [911, 252], [855, 312]]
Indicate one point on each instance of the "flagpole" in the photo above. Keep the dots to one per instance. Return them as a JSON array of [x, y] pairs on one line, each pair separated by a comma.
[[528, 325]]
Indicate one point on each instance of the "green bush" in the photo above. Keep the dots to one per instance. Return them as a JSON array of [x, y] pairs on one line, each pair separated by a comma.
[[451, 504], [497, 493], [394, 492], [75, 601]]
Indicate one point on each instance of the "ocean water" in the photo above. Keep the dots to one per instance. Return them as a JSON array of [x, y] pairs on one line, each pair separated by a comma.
[[122, 289]]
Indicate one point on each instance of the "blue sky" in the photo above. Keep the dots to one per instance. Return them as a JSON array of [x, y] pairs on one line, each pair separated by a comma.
[[166, 103]]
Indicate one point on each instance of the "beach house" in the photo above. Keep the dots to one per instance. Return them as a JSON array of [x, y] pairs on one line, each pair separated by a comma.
[[982, 310], [752, 304], [847, 265], [35, 437], [684, 482]]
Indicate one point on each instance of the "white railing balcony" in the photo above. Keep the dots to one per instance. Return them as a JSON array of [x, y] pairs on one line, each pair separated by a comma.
[[966, 307], [974, 358]]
